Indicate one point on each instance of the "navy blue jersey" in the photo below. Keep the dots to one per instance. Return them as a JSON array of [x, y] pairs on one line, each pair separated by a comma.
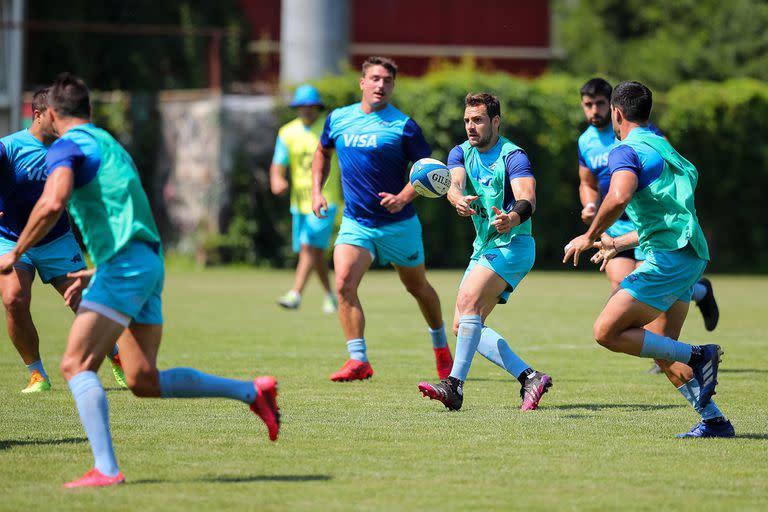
[[22, 179], [374, 151]]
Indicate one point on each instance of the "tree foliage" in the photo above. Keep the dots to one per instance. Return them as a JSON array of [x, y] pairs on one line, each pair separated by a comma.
[[663, 43]]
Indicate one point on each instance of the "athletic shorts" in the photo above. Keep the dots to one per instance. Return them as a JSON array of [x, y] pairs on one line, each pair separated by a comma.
[[511, 262], [399, 242], [665, 277], [51, 260], [128, 286], [308, 229], [622, 227]]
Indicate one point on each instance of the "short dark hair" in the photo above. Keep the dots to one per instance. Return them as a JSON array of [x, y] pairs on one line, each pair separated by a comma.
[[40, 99], [69, 97], [596, 87], [491, 102], [388, 64], [634, 100]]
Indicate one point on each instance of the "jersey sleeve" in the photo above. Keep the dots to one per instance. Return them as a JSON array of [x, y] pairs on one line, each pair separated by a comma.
[[455, 158], [66, 153], [415, 145], [518, 165], [3, 156], [325, 138], [582, 162], [281, 153], [655, 130], [624, 158]]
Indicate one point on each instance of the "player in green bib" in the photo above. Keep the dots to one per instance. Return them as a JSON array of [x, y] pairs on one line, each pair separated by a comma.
[[645, 315], [292, 168], [492, 183], [90, 172]]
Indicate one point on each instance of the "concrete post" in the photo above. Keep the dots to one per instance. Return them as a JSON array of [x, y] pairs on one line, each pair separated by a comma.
[[314, 38]]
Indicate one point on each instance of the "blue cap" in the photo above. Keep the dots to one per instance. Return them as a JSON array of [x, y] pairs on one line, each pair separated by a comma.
[[306, 96]]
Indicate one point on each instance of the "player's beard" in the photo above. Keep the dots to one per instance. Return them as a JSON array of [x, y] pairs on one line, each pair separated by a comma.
[[601, 122], [483, 141]]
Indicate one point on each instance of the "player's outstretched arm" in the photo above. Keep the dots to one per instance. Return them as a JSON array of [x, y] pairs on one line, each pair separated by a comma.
[[321, 167], [588, 194], [623, 186], [524, 190], [608, 247], [455, 195], [44, 215], [74, 292]]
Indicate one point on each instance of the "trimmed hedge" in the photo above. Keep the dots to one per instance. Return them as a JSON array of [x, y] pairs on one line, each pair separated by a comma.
[[718, 126]]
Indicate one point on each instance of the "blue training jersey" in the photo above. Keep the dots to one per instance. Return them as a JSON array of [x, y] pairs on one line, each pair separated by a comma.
[[22, 179], [594, 147], [516, 163], [374, 151]]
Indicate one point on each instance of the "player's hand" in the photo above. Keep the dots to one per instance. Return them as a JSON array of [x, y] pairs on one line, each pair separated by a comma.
[[319, 206], [7, 261], [606, 251], [74, 292], [575, 247], [588, 213], [463, 206], [393, 203], [501, 221]]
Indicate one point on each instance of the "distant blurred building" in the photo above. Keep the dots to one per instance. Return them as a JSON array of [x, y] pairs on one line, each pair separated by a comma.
[[510, 35]]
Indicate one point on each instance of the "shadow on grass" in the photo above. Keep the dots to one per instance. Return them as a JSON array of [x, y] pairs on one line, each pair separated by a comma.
[[742, 370], [225, 479], [10, 443], [599, 407], [117, 390], [760, 437]]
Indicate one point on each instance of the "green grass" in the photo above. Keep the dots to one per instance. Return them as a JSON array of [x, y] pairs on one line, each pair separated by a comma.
[[603, 439]]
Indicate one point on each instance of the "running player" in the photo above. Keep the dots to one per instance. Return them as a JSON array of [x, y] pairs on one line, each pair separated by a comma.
[[91, 171], [375, 142], [294, 149], [491, 182], [594, 145], [645, 314], [22, 178]]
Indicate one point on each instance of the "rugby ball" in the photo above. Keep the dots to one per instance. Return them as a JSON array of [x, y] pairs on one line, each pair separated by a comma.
[[430, 177]]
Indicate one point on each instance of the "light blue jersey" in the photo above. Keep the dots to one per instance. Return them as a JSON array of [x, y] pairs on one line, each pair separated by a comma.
[[374, 150], [22, 179]]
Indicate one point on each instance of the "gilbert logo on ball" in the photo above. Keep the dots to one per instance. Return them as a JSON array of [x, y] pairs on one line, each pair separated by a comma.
[[430, 177]]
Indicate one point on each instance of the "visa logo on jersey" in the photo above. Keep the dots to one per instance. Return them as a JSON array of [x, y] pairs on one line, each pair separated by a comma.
[[37, 173], [363, 140], [600, 160]]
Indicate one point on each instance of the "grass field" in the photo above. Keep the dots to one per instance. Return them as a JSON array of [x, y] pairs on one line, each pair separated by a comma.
[[602, 440]]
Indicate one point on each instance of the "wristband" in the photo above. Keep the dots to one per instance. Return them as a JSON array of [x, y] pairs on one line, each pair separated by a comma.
[[524, 209]]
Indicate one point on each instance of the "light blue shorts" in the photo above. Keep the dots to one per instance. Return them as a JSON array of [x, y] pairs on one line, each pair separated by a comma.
[[665, 277], [511, 262], [307, 229], [128, 286], [399, 243], [52, 260], [622, 227]]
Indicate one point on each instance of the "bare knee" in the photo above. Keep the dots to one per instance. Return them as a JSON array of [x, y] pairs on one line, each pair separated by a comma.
[[456, 326], [144, 383], [604, 333], [467, 304], [417, 287], [346, 287], [17, 302]]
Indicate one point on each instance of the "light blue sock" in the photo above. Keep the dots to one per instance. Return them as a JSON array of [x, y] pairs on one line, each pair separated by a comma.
[[438, 337], [356, 349], [37, 365], [92, 405], [113, 352], [699, 291], [493, 347], [690, 390], [191, 383], [666, 349], [467, 341]]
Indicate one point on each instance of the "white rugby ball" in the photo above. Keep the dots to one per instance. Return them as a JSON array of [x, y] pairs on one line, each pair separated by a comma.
[[430, 177]]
